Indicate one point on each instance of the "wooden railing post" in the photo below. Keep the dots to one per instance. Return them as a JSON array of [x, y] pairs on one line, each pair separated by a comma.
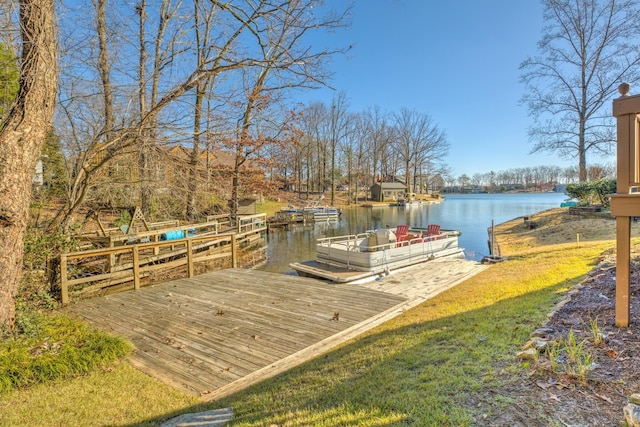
[[190, 258], [112, 257], [625, 204], [136, 261], [64, 285], [234, 252], [136, 267], [623, 271]]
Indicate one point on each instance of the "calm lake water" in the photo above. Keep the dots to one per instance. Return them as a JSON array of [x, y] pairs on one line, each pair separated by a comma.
[[470, 213]]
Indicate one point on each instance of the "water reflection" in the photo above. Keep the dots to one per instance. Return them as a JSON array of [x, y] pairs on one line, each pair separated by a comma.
[[472, 214]]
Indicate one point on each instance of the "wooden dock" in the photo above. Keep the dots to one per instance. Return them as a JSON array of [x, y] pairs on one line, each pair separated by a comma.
[[217, 333]]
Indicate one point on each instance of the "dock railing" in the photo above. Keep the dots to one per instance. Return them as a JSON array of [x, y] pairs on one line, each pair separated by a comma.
[[129, 263], [251, 223]]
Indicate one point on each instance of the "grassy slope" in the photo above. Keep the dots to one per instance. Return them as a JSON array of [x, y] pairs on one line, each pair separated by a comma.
[[426, 367]]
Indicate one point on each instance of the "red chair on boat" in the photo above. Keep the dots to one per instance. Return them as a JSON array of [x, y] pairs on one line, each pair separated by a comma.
[[433, 230], [401, 234]]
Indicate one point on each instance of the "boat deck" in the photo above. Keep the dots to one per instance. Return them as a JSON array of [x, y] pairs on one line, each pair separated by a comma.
[[217, 333], [329, 272]]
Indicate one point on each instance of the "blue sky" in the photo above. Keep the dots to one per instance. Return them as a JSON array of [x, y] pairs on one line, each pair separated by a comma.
[[455, 60]]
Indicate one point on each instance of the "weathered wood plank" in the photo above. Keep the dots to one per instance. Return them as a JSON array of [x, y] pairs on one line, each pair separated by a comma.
[[164, 327], [250, 322], [157, 340], [306, 294], [213, 334]]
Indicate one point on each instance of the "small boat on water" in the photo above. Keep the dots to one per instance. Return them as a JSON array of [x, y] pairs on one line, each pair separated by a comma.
[[323, 212], [367, 255], [292, 214], [312, 211], [409, 201]]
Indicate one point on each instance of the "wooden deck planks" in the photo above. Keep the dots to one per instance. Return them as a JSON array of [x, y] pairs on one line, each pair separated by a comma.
[[201, 334], [219, 332], [427, 280]]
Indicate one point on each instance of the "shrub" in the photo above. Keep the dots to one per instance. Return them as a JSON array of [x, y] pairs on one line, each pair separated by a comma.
[[49, 348], [40, 249], [592, 192]]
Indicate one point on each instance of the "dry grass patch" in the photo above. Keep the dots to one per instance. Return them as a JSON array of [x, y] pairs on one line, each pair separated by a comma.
[[554, 227]]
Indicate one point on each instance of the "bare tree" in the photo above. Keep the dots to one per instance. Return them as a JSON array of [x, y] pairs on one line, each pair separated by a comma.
[[164, 38], [286, 61], [338, 129], [378, 140], [203, 17], [351, 148], [314, 120], [431, 149], [587, 48], [21, 139], [161, 83], [361, 173], [420, 142]]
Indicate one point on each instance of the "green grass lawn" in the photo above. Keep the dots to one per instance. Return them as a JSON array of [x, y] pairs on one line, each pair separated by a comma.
[[428, 366]]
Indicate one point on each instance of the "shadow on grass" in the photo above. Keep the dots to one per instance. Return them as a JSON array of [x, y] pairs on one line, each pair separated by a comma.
[[423, 368]]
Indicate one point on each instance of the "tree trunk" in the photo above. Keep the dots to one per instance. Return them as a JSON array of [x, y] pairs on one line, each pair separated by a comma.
[[582, 152], [144, 141], [104, 67], [21, 141], [582, 165], [407, 177], [192, 185], [145, 168]]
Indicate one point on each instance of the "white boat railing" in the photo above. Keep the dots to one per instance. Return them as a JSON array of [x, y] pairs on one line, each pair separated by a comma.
[[347, 251], [343, 244], [328, 240], [353, 241]]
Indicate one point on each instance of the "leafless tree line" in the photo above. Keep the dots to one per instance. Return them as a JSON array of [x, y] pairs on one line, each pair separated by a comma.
[[537, 178], [339, 147], [136, 79]]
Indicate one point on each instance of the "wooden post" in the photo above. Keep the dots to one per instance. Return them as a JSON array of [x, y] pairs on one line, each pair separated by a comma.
[[190, 258], [626, 202], [493, 239], [234, 252], [64, 285], [136, 267], [112, 257], [623, 267], [97, 218]]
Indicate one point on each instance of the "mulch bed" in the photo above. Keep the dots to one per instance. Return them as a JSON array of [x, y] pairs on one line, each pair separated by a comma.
[[542, 396]]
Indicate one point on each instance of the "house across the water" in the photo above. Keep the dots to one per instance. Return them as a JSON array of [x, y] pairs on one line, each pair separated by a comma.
[[388, 191]]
